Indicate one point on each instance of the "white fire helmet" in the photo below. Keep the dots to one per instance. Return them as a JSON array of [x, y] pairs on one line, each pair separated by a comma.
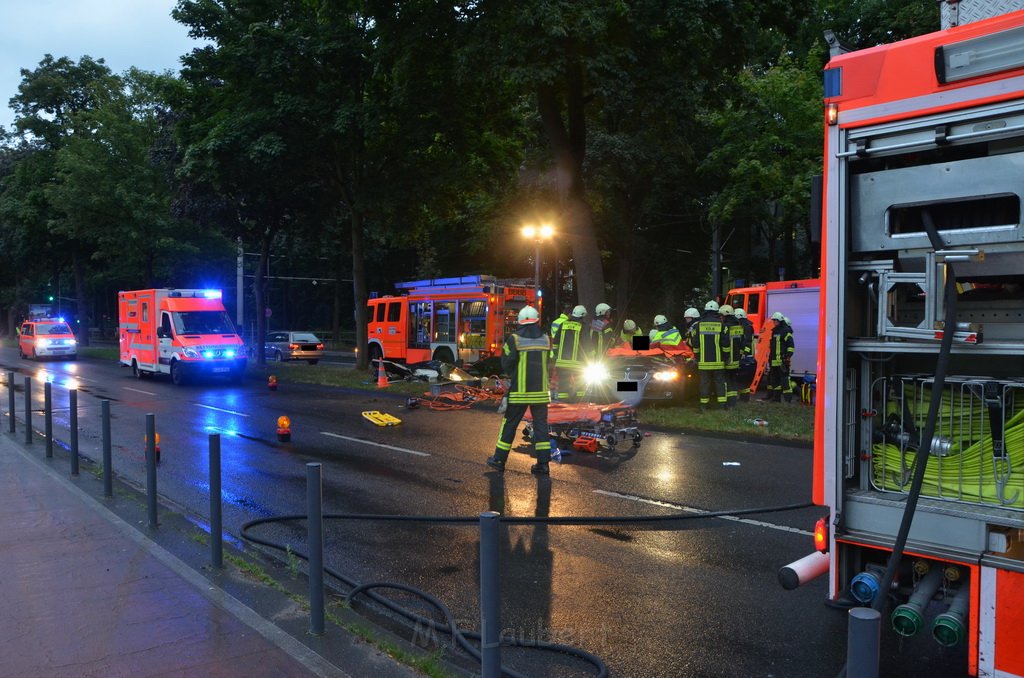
[[528, 315], [660, 320], [579, 312], [711, 306], [725, 309], [601, 309], [691, 313], [740, 313], [778, 317], [629, 326]]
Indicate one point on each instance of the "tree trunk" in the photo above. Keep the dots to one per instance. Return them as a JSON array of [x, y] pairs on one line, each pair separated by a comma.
[[359, 292], [568, 145]]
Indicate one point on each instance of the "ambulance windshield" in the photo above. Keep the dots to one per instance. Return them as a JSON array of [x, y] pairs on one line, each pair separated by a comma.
[[55, 328], [202, 322]]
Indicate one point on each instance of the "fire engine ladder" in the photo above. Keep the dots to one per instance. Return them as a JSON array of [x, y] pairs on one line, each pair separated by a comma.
[[930, 282]]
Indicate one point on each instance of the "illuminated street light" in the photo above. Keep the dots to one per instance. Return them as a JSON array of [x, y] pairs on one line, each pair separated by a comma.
[[537, 234]]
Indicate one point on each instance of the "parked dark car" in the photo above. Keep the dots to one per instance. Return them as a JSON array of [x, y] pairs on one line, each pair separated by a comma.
[[282, 346]]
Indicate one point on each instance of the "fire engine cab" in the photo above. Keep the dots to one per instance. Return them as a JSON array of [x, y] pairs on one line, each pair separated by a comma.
[[180, 333], [455, 320]]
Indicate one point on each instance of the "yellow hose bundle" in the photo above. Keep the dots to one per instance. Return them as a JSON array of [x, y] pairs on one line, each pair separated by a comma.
[[968, 472]]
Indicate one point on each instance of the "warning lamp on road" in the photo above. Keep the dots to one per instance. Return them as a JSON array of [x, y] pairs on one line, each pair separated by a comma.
[[821, 534], [284, 429], [156, 445], [272, 382]]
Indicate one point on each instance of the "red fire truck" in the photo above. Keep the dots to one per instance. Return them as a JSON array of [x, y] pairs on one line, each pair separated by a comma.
[[919, 421], [455, 320]]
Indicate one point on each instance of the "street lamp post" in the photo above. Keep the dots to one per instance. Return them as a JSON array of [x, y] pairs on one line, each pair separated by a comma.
[[537, 234]]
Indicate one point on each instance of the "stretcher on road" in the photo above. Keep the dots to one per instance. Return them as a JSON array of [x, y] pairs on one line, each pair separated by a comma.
[[585, 426]]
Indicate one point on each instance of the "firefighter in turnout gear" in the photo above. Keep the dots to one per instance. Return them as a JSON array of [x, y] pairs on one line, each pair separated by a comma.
[[746, 349], [690, 316], [602, 334], [556, 324], [525, 358], [787, 389], [629, 330], [709, 342], [571, 355], [734, 341], [664, 333], [779, 355]]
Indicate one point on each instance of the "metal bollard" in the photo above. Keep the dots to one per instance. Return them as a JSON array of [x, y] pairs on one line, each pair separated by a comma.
[[48, 417], [73, 409], [862, 641], [108, 470], [28, 410], [151, 468], [490, 596], [216, 523], [10, 399], [315, 546]]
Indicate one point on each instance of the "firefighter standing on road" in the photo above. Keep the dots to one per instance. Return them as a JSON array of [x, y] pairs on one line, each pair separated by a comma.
[[525, 358], [746, 349], [571, 355], [734, 342], [708, 341], [664, 333], [780, 353], [602, 334]]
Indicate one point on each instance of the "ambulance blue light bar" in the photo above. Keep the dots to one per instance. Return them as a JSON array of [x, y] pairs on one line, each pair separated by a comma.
[[211, 294]]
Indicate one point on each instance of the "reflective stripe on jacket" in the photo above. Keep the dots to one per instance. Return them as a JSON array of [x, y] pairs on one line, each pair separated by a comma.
[[669, 337], [708, 341], [734, 333], [572, 349], [782, 345], [601, 335], [525, 359]]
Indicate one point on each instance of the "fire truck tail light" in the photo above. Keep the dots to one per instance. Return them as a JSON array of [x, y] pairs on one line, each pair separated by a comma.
[[832, 114], [821, 534]]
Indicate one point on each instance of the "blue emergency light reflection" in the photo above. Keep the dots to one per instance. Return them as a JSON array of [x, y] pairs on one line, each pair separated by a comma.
[[211, 294], [230, 353], [207, 354]]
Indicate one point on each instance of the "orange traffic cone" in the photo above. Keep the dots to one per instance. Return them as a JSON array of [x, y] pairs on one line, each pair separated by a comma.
[[382, 374]]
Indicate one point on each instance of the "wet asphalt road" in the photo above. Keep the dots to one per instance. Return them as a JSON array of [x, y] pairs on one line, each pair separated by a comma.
[[694, 597]]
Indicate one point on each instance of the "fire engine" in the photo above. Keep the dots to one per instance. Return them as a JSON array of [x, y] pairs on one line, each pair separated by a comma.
[[798, 300], [919, 421], [180, 333], [455, 320]]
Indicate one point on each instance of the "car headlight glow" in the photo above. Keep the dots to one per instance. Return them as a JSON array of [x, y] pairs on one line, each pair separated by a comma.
[[595, 373], [666, 375], [190, 353], [230, 353], [43, 343]]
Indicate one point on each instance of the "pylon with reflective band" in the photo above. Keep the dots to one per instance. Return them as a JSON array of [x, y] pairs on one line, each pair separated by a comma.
[[382, 375]]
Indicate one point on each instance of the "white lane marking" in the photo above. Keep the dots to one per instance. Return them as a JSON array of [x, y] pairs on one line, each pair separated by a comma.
[[137, 390], [221, 409], [369, 442], [690, 509]]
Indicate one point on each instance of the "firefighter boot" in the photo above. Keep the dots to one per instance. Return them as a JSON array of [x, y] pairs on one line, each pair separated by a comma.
[[497, 464], [777, 396], [540, 468]]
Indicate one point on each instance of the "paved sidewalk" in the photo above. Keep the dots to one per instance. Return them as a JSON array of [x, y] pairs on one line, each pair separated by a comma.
[[85, 594]]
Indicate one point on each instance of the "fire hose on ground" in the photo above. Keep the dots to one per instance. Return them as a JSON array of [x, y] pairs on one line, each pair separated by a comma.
[[464, 638]]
